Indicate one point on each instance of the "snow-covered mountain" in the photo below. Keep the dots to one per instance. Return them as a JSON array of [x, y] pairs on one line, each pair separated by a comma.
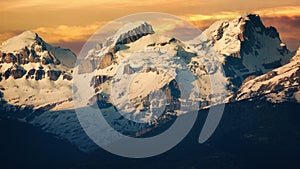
[[247, 47], [149, 77], [36, 86], [34, 73], [127, 62], [122, 68]]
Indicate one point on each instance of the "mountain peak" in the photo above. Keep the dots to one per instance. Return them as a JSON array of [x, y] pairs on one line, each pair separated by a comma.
[[247, 46], [255, 18], [247, 36], [27, 35], [29, 47], [25, 39], [248, 24]]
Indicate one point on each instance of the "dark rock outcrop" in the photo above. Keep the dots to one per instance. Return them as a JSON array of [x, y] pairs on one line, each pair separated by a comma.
[[17, 71], [53, 74], [98, 80], [67, 76], [40, 74], [135, 34], [30, 74]]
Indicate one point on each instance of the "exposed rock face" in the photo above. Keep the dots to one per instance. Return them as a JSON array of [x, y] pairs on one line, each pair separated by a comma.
[[34, 51], [135, 34], [248, 79], [98, 80], [17, 71], [22, 57], [106, 61], [30, 74], [100, 100], [67, 76], [6, 74], [40, 74], [53, 74], [103, 55], [9, 58], [253, 24], [128, 69], [88, 65]]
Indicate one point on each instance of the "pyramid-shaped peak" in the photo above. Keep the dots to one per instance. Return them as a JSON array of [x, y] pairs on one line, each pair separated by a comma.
[[27, 35], [20, 41], [247, 28], [252, 17], [255, 20]]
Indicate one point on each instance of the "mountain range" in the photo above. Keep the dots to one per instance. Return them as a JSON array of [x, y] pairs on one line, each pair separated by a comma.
[[232, 61]]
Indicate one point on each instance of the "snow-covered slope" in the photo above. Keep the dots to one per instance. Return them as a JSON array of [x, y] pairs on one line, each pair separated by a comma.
[[18, 42], [279, 85]]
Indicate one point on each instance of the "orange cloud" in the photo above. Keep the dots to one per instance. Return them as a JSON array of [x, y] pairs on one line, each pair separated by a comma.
[[67, 33], [203, 21], [279, 11], [63, 35], [290, 11]]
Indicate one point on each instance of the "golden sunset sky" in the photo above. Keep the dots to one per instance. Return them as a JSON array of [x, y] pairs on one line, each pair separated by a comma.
[[69, 23]]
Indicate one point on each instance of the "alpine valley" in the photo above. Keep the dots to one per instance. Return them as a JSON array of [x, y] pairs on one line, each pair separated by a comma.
[[240, 63]]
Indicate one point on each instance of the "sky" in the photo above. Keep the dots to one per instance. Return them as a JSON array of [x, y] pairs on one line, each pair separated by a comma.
[[69, 23]]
